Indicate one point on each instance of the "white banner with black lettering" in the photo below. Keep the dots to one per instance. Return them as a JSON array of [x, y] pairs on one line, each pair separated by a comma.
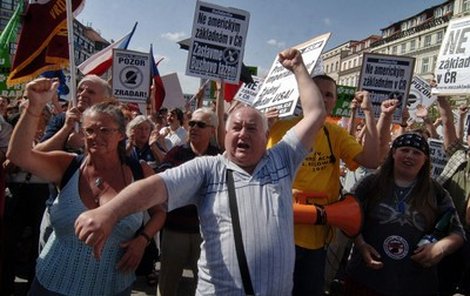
[[279, 89], [386, 77], [420, 95], [217, 42], [131, 76], [452, 70]]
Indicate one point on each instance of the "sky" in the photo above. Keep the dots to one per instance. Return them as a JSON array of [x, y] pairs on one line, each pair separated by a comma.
[[273, 26]]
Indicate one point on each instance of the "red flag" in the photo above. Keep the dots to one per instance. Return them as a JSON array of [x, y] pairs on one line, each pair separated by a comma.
[[230, 90], [157, 82], [101, 61], [43, 44]]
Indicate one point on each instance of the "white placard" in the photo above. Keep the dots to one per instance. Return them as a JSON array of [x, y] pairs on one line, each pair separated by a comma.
[[131, 76], [452, 70], [174, 97], [385, 77], [217, 42], [420, 94], [279, 89], [248, 91], [438, 156]]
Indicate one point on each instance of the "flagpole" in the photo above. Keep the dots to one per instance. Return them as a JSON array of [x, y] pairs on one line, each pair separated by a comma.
[[71, 51]]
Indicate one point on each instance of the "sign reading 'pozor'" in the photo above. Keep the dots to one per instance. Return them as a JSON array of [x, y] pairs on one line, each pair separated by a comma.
[[218, 42], [131, 75]]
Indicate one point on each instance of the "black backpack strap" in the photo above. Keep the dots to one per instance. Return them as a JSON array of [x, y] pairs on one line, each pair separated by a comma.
[[136, 168], [73, 166], [242, 263]]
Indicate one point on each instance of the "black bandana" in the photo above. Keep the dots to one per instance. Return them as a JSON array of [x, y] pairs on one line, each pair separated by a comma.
[[412, 140]]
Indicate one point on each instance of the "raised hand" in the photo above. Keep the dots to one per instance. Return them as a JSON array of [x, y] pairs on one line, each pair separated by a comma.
[[290, 58], [40, 91], [363, 99]]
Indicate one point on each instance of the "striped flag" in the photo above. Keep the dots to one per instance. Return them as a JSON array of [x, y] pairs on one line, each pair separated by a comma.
[[101, 61], [157, 82]]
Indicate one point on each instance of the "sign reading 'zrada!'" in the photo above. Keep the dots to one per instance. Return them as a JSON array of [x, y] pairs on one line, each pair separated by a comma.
[[131, 75], [218, 42]]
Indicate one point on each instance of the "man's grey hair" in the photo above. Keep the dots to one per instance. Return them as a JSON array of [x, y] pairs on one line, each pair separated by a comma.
[[96, 79], [214, 121], [264, 120]]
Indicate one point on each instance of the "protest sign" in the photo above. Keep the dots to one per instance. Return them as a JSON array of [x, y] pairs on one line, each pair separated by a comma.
[[438, 156], [174, 97], [248, 91], [453, 62], [345, 94], [386, 77], [131, 75], [279, 89], [217, 42], [466, 127], [420, 94]]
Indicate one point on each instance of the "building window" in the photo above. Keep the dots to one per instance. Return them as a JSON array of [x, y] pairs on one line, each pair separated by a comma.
[[466, 5], [412, 45], [438, 12], [403, 48], [395, 49], [427, 40], [425, 65], [327, 68], [336, 66], [439, 37], [7, 4]]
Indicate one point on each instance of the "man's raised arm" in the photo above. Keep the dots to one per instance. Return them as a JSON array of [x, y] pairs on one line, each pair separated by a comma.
[[94, 226], [314, 113]]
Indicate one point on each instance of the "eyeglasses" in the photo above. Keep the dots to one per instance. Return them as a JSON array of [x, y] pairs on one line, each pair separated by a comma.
[[105, 131], [200, 124]]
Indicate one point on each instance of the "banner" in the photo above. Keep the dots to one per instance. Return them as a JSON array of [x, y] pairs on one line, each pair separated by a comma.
[[248, 91], [420, 94], [438, 157], [217, 42], [343, 102], [174, 94], [452, 70], [279, 89], [43, 44], [386, 77], [131, 76], [8, 36]]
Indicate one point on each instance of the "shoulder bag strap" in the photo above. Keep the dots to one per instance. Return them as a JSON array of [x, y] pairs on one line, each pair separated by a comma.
[[245, 273]]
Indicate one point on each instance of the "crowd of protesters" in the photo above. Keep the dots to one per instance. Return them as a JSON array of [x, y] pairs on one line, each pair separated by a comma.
[[67, 188]]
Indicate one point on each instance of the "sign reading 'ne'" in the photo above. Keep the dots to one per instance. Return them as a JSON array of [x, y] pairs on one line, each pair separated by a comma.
[[217, 42]]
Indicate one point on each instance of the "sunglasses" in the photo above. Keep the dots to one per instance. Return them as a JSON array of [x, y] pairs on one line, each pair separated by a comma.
[[200, 124]]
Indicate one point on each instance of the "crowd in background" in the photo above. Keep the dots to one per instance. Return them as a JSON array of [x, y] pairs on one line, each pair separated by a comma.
[[387, 166]]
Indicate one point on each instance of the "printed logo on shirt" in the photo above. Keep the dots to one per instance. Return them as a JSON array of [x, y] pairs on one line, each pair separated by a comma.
[[317, 161], [396, 247]]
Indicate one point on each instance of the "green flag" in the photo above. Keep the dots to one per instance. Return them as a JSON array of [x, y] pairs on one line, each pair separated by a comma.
[[8, 36]]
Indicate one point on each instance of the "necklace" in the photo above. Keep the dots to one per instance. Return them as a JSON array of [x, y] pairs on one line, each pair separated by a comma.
[[99, 183], [400, 195]]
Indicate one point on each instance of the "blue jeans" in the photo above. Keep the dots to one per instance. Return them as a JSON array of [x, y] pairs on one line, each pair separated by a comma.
[[309, 272]]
